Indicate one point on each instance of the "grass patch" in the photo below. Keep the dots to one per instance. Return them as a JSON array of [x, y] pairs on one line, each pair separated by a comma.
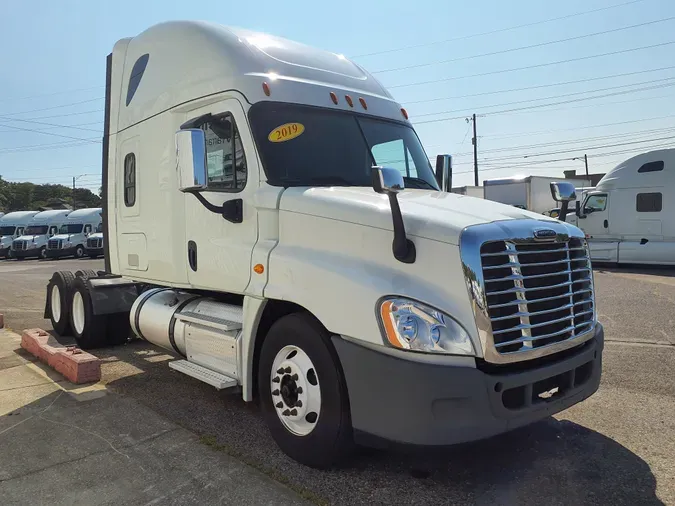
[[303, 492]]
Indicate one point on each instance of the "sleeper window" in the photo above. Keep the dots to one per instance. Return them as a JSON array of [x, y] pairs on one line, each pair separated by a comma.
[[225, 159], [649, 202], [651, 167], [130, 180]]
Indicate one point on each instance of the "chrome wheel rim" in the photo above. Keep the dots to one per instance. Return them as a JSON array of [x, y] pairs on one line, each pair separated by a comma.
[[295, 389]]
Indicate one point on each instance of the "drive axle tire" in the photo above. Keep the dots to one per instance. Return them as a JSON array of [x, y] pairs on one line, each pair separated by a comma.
[[59, 294], [86, 273], [303, 393], [89, 329]]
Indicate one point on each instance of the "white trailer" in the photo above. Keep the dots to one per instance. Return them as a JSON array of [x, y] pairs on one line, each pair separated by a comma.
[[470, 191], [629, 217], [11, 227], [33, 242], [357, 303], [532, 192], [73, 235]]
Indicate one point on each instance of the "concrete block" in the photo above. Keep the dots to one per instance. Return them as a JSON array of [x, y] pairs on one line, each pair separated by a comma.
[[76, 365], [2, 321]]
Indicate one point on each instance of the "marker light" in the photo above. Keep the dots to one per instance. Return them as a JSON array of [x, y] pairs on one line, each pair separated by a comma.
[[258, 268], [349, 100], [363, 103], [333, 97], [266, 89], [404, 112], [411, 325]]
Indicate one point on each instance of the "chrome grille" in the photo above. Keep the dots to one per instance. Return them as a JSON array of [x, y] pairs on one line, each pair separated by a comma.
[[94, 243], [19, 245], [537, 293], [54, 244]]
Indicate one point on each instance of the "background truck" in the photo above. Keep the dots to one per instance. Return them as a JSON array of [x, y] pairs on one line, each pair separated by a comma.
[[33, 242], [94, 245], [628, 217], [11, 227], [470, 191], [532, 192], [251, 228], [72, 236]]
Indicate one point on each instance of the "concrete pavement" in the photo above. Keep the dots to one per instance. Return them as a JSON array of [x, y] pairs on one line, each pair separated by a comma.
[[64, 444]]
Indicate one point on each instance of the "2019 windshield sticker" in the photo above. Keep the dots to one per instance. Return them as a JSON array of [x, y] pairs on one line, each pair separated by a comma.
[[286, 132]]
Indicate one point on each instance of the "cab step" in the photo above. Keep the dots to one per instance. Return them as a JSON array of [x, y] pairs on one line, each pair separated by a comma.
[[215, 379]]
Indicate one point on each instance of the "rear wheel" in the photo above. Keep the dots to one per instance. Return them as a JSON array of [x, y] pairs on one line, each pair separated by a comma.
[[59, 291], [89, 329], [303, 392]]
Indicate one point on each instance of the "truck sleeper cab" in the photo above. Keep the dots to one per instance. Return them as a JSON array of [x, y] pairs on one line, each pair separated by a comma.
[[11, 227], [72, 237], [627, 216], [33, 242], [273, 220]]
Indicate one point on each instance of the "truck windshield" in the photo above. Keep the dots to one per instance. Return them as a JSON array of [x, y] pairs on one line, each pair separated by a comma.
[[70, 229], [36, 230], [308, 146], [99, 228], [7, 230]]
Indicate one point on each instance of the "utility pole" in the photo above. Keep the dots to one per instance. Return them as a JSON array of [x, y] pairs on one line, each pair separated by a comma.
[[586, 163], [475, 151], [73, 182]]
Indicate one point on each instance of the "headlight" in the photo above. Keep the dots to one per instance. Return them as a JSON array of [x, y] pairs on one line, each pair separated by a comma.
[[411, 325], [32, 245]]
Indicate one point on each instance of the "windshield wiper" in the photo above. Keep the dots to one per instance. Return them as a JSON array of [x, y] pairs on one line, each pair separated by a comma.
[[318, 181], [423, 184]]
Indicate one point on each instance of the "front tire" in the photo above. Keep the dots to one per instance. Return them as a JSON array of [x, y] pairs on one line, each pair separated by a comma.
[[79, 251], [89, 329], [59, 294], [42, 254], [303, 393]]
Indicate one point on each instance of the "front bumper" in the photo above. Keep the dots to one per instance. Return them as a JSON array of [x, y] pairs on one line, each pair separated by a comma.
[[26, 253], [397, 400], [4, 252], [94, 251], [63, 252]]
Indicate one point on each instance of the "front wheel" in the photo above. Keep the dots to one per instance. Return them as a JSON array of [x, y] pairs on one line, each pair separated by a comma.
[[42, 254], [79, 251], [303, 392]]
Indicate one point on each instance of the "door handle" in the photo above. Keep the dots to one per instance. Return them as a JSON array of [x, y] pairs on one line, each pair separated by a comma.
[[605, 224], [192, 255]]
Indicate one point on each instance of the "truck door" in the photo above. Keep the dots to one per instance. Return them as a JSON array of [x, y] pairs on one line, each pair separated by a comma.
[[594, 221], [219, 246]]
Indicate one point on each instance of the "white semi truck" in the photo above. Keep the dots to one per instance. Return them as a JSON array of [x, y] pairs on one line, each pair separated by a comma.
[[72, 237], [250, 228], [12, 226], [94, 246], [43, 226]]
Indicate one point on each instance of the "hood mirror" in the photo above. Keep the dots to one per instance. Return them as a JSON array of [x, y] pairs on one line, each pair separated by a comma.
[[564, 193], [390, 182]]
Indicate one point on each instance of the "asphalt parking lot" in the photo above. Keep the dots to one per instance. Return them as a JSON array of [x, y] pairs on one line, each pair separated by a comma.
[[618, 447]]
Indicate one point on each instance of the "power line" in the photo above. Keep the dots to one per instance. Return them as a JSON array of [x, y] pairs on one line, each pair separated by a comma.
[[66, 115], [46, 124], [52, 94], [539, 65], [42, 147], [663, 85], [526, 88], [526, 109], [50, 133], [521, 48], [499, 30], [539, 132], [55, 106]]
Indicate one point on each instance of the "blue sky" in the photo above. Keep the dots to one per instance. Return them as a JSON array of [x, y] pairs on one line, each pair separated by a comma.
[[53, 73]]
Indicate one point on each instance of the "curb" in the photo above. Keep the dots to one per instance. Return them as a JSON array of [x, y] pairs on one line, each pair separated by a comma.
[[76, 365]]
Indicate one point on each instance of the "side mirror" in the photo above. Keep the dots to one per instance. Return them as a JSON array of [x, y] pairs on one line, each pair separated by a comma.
[[444, 172], [191, 158], [563, 192], [390, 182]]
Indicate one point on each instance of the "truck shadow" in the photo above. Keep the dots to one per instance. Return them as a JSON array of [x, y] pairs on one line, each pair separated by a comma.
[[553, 461]]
